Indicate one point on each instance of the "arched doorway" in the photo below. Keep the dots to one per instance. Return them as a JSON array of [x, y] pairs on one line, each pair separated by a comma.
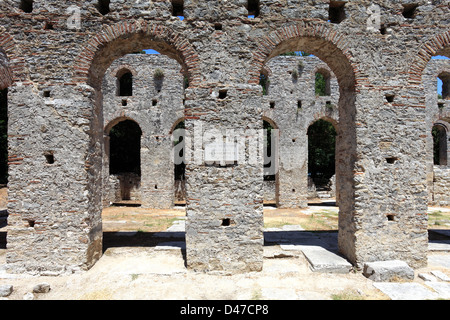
[[128, 38], [306, 38], [124, 161], [322, 156]]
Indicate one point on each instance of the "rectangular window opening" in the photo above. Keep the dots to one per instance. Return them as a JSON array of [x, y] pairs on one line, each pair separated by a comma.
[[50, 158], [390, 97], [391, 160], [390, 217], [178, 8], [409, 10], [26, 6], [253, 8], [336, 12], [223, 94]]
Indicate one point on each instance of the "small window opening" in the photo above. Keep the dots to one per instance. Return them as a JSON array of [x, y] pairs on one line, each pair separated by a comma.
[[48, 25], [390, 97], [293, 140], [264, 83], [26, 6], [322, 84], [391, 160], [253, 8], [156, 186], [444, 78], [154, 102], [226, 222], [124, 102], [47, 93], [390, 217], [31, 223], [409, 10], [336, 12], [223, 94], [272, 104], [383, 29], [178, 8], [293, 190], [299, 104], [217, 26], [50, 158], [125, 84], [103, 6], [439, 134]]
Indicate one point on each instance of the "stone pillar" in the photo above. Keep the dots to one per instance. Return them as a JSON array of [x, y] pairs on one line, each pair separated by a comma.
[[224, 202], [54, 180]]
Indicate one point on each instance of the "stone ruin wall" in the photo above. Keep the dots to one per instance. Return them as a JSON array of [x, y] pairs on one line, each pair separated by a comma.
[[438, 176], [280, 108], [56, 113]]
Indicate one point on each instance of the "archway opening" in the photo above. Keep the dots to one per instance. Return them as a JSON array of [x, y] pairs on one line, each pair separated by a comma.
[[439, 134], [124, 83], [305, 107], [125, 158], [156, 175], [271, 186], [321, 156], [179, 162]]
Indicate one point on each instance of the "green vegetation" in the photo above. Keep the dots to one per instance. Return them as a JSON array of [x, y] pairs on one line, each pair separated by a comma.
[[321, 150]]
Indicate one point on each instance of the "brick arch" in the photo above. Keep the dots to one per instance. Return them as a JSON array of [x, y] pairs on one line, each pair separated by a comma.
[[107, 128], [439, 44], [320, 39], [12, 64], [126, 37]]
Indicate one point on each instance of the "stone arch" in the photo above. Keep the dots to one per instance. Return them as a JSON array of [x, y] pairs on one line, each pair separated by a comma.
[[438, 45], [332, 47], [178, 121], [325, 41], [12, 63], [117, 120], [126, 37], [323, 116]]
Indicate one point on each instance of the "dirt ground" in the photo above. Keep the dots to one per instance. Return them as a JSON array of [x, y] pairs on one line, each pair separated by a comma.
[[135, 266]]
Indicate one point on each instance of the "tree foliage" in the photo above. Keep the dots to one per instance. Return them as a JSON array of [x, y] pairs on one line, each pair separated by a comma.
[[321, 149]]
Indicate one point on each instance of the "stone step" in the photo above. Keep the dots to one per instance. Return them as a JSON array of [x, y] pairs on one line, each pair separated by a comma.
[[323, 260]]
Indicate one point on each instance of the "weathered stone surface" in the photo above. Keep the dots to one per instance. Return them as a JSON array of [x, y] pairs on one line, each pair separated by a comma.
[[406, 291], [5, 290], [388, 270], [54, 60], [322, 260], [41, 288], [440, 275], [426, 277]]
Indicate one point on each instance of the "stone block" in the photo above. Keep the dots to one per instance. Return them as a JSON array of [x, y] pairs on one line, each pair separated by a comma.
[[388, 270], [5, 290]]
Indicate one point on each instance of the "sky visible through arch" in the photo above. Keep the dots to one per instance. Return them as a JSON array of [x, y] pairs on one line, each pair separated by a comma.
[[439, 90]]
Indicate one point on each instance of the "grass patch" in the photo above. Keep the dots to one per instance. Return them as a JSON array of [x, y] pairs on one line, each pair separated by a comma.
[[321, 220], [437, 218]]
